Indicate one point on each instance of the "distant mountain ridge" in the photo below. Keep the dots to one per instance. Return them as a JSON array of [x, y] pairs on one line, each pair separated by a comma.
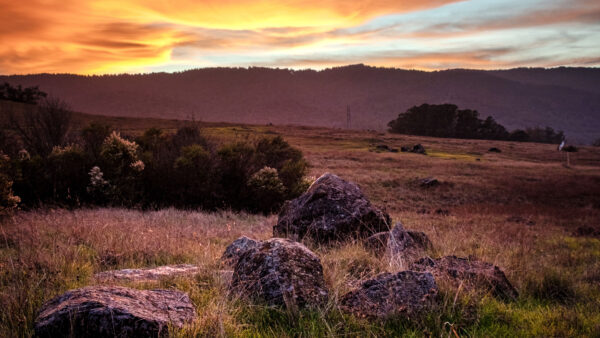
[[563, 98]]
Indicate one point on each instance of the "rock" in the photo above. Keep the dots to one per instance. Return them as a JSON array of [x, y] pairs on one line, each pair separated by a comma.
[[236, 249], [472, 274], [443, 212], [404, 149], [587, 231], [429, 182], [393, 150], [382, 147], [406, 293], [111, 311], [519, 219], [402, 247], [280, 272], [494, 150], [331, 210], [570, 149], [418, 149], [145, 275]]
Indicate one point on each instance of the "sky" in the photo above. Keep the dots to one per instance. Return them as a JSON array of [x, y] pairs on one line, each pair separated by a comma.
[[140, 36]]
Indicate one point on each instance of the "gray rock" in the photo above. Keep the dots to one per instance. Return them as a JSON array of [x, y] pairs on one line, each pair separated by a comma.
[[331, 210], [111, 311], [429, 182], [472, 274], [147, 275], [402, 247], [235, 250], [406, 293], [280, 272]]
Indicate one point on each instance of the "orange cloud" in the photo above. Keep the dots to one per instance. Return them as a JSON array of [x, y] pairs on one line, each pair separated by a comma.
[[109, 36]]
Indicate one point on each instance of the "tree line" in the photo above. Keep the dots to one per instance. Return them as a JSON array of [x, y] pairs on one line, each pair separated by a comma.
[[446, 120]]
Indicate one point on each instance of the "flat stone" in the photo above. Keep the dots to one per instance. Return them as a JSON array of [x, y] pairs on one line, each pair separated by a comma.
[[112, 311], [149, 274]]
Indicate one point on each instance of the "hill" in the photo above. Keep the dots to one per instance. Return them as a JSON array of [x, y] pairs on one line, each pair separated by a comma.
[[563, 98]]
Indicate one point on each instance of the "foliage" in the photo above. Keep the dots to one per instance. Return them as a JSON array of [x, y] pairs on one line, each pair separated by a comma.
[[44, 126], [30, 95], [267, 190], [8, 201], [446, 120]]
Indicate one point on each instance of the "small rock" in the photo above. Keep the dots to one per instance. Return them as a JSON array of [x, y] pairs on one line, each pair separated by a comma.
[[494, 150], [382, 147], [418, 149], [406, 293], [331, 210], [404, 149], [280, 272], [443, 212], [150, 274], [236, 249], [587, 231], [472, 274], [429, 182], [111, 311]]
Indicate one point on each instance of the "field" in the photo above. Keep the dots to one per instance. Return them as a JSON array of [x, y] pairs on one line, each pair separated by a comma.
[[523, 209]]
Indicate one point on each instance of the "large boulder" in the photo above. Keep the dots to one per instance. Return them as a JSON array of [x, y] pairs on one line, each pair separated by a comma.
[[280, 272], [406, 293], [235, 250], [331, 210], [402, 247], [111, 311], [471, 274]]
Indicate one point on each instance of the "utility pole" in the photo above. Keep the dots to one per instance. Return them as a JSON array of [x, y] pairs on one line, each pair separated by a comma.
[[348, 118]]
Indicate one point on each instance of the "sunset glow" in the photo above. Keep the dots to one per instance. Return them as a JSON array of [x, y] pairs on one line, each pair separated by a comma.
[[108, 36]]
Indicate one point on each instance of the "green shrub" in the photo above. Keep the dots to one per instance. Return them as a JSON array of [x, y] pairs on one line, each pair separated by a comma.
[[552, 287], [267, 190], [67, 171]]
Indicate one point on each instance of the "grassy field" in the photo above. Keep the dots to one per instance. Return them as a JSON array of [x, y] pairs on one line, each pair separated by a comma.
[[522, 209]]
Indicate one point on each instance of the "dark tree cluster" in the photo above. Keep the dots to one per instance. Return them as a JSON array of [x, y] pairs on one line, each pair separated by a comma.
[[446, 120], [30, 95], [98, 166]]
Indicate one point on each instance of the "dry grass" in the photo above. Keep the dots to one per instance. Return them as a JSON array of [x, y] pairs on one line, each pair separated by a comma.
[[517, 209]]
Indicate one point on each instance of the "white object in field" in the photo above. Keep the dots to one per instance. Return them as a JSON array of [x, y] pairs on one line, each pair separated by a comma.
[[562, 144]]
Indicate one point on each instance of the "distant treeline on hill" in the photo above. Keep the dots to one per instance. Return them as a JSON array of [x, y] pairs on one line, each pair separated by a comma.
[[446, 120]]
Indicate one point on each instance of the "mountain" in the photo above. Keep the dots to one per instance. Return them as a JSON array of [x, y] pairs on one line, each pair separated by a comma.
[[563, 98]]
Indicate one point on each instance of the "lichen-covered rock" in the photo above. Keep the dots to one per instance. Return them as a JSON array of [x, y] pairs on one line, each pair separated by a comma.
[[472, 274], [147, 275], [331, 210], [406, 293], [111, 311], [280, 272], [235, 250], [401, 246]]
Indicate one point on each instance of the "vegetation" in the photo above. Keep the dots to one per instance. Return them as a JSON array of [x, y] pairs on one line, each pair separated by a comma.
[[446, 120], [502, 209]]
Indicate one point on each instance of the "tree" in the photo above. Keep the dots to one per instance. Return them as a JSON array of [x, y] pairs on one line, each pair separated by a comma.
[[43, 127], [30, 95], [93, 137]]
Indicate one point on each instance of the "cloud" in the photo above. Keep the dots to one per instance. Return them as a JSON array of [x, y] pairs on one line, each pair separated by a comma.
[[107, 36]]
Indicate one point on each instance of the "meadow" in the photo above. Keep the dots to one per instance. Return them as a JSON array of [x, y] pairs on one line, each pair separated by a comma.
[[522, 209]]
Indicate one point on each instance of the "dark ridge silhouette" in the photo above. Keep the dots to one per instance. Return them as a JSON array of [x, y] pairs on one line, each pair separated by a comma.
[[565, 99]]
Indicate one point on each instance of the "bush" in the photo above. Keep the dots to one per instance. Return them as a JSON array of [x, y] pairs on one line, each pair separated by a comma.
[[267, 190], [123, 168], [67, 172], [8, 201]]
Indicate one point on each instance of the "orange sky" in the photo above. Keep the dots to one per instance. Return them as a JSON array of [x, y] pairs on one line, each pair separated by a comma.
[[109, 36]]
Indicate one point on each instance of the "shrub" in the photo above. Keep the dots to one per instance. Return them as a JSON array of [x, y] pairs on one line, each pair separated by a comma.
[[122, 168], [98, 189], [267, 190], [66, 167], [193, 170], [8, 201], [93, 137]]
